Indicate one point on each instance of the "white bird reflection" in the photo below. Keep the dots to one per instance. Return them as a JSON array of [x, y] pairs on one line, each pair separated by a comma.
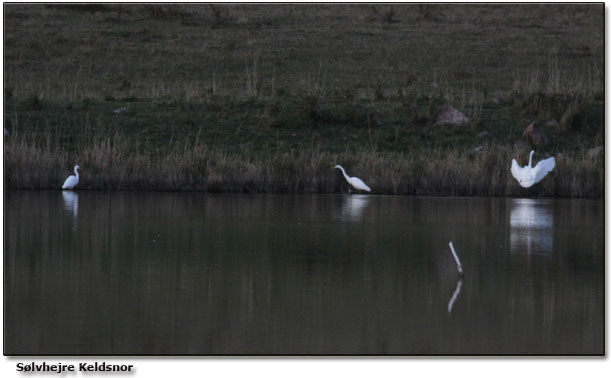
[[71, 205], [532, 224], [454, 296], [354, 206]]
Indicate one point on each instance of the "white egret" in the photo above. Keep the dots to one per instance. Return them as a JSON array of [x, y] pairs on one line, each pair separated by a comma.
[[527, 176], [72, 180], [356, 182]]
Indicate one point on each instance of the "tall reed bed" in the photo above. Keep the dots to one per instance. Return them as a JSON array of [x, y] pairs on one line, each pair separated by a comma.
[[112, 163]]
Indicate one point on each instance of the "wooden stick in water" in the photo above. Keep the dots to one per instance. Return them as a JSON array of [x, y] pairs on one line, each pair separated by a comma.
[[458, 264]]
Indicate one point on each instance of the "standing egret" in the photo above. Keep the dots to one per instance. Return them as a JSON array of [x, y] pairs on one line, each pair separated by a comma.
[[356, 182], [72, 180], [527, 176]]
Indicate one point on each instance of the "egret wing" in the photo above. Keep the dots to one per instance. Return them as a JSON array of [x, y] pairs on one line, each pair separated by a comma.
[[359, 184], [519, 173], [70, 182], [543, 168]]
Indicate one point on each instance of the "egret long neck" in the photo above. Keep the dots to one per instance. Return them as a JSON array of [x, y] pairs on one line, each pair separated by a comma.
[[76, 171], [344, 172], [530, 159]]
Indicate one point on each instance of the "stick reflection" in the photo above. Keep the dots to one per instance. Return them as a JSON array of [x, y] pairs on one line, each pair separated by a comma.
[[454, 296]]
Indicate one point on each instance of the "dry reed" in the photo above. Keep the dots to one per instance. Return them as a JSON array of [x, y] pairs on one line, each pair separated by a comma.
[[111, 164]]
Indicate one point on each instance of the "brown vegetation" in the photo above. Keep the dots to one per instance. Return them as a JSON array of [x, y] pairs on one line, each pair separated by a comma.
[[236, 97], [112, 164]]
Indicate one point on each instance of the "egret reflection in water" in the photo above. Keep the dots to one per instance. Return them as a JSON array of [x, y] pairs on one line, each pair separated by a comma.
[[71, 205], [285, 275], [354, 206], [532, 224], [70, 202]]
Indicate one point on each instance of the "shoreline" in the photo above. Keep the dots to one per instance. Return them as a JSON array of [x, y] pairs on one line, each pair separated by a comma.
[[339, 194], [428, 172]]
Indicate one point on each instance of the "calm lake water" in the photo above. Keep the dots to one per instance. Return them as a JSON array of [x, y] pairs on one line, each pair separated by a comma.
[[176, 273]]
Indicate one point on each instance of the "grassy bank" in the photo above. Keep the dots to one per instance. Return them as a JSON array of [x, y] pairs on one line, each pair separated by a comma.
[[113, 164], [266, 98]]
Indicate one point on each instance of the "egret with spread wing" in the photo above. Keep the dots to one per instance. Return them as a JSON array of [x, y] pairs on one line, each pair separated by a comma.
[[528, 176], [356, 182]]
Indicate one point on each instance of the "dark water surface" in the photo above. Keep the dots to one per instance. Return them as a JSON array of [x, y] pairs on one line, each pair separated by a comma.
[[167, 273]]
